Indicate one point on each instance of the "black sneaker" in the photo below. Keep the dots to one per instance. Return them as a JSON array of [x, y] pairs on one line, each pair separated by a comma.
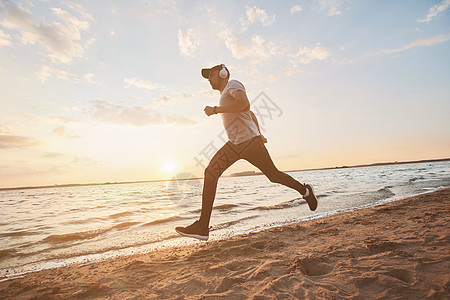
[[194, 230], [311, 198]]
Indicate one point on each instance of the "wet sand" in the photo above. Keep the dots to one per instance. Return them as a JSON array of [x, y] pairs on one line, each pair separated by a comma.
[[399, 250]]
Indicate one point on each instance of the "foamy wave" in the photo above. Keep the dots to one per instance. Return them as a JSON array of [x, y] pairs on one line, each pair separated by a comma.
[[228, 224], [85, 235], [119, 215], [384, 193], [124, 225], [161, 221], [18, 233], [7, 253], [287, 204], [70, 237], [226, 206]]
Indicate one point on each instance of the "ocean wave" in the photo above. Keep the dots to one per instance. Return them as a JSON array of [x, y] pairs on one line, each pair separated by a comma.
[[230, 223], [83, 221], [18, 233], [7, 253], [123, 225], [85, 235], [386, 190], [226, 206], [70, 237], [319, 196], [161, 221], [121, 214], [287, 204], [381, 194]]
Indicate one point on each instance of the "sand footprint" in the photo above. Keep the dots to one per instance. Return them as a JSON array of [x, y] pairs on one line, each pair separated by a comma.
[[403, 275], [312, 265]]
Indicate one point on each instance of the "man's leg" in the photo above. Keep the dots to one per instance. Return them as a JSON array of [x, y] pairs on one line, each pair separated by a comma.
[[223, 159], [257, 154]]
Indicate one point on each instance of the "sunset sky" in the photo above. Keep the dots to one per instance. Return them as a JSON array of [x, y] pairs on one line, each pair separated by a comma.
[[106, 91]]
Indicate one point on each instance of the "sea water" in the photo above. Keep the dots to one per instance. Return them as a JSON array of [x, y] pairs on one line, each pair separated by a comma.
[[51, 227]]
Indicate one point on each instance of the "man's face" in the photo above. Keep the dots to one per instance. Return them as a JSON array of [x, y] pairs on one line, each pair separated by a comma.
[[214, 79]]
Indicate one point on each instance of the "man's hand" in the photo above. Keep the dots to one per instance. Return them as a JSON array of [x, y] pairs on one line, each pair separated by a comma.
[[209, 110]]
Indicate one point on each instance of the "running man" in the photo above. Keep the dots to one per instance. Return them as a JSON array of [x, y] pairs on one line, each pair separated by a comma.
[[244, 141]]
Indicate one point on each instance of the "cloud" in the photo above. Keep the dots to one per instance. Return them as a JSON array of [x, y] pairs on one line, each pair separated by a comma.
[[62, 131], [5, 129], [4, 39], [141, 83], [157, 102], [295, 8], [331, 6], [15, 141], [46, 71], [84, 161], [160, 7], [253, 15], [188, 42], [62, 40], [258, 49], [52, 155], [89, 77], [135, 116], [429, 41], [436, 10], [306, 55]]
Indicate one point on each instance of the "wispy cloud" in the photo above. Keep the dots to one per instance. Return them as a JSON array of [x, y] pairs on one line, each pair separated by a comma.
[[5, 129], [257, 49], [141, 83], [160, 7], [89, 77], [295, 8], [62, 131], [135, 116], [253, 15], [62, 40], [4, 39], [436, 10], [428, 41], [188, 42], [15, 141], [306, 55], [332, 7], [46, 71]]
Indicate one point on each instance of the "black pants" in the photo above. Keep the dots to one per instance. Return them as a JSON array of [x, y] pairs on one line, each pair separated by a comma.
[[254, 152]]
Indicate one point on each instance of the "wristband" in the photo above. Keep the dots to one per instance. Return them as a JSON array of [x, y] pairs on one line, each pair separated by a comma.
[[215, 107]]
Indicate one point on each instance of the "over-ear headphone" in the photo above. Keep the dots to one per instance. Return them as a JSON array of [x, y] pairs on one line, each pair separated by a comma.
[[223, 73]]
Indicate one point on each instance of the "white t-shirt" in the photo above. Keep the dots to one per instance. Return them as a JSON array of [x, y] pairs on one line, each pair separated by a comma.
[[239, 127]]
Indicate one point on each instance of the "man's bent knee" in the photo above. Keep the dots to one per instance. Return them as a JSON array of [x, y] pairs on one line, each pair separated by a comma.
[[276, 177], [212, 173]]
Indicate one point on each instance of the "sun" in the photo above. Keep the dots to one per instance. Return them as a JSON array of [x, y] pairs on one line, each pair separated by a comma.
[[168, 167]]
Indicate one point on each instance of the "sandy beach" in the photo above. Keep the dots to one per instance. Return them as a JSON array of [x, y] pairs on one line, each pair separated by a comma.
[[398, 250]]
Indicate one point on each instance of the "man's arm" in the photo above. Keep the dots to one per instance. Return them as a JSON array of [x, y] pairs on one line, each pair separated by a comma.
[[240, 104]]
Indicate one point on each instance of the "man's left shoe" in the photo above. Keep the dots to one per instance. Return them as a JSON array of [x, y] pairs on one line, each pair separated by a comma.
[[310, 198], [194, 230]]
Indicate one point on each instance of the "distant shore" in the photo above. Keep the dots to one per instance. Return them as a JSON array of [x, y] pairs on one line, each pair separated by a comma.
[[397, 250], [240, 174]]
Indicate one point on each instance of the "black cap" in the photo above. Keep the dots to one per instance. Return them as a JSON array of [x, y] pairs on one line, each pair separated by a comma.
[[205, 72]]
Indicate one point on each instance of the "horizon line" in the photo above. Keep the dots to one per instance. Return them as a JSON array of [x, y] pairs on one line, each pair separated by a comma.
[[238, 174]]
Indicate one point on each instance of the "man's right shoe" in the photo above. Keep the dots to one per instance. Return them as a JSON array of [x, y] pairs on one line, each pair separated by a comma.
[[310, 198], [194, 230]]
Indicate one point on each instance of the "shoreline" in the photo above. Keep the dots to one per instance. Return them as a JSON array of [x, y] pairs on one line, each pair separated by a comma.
[[231, 175], [158, 246], [396, 249]]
